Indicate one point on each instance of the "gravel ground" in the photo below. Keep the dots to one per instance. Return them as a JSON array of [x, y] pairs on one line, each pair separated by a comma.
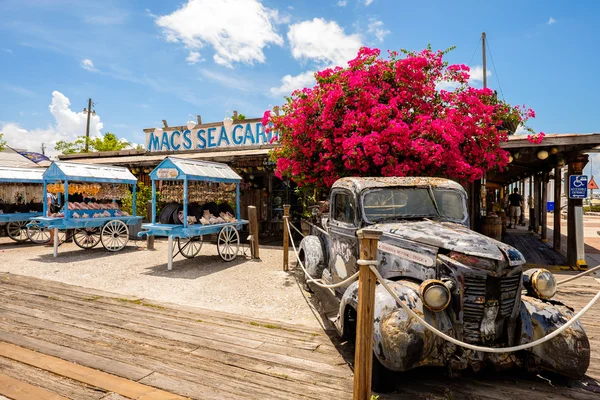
[[257, 289]]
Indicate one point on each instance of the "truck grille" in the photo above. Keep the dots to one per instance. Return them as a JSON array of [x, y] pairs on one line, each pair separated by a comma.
[[479, 289]]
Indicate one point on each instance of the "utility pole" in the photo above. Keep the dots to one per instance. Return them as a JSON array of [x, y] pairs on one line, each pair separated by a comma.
[[87, 129], [484, 60], [43, 149]]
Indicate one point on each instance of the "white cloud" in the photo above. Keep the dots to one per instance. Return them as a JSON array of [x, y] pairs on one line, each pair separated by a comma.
[[150, 13], [376, 28], [67, 125], [229, 80], [476, 74], [88, 65], [324, 42], [551, 21], [368, 2], [9, 51], [21, 91], [342, 3], [193, 57], [238, 30], [290, 83]]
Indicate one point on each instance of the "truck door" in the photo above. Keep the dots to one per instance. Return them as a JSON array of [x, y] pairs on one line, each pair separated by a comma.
[[342, 230]]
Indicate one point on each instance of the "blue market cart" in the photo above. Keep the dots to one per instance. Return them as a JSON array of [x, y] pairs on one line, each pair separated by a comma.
[[182, 180], [21, 191], [92, 222]]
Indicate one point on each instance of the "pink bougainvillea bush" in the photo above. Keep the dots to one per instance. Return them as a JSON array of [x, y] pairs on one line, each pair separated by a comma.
[[388, 117]]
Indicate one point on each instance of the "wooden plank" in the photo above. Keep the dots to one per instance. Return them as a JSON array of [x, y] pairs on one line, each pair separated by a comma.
[[255, 335], [19, 390], [84, 374], [102, 363], [162, 308], [248, 371], [49, 381], [196, 334], [128, 304]]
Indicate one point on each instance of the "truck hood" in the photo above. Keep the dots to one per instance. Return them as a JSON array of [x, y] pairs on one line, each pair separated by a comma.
[[451, 236]]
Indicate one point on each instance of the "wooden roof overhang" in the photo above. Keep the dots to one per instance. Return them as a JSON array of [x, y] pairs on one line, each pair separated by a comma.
[[526, 162]]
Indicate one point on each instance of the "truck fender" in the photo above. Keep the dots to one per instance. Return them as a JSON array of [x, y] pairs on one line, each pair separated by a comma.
[[567, 354], [311, 255], [400, 342]]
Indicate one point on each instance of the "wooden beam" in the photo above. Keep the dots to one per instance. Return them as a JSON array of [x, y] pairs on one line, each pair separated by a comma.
[[19, 390], [79, 373], [557, 203], [544, 208]]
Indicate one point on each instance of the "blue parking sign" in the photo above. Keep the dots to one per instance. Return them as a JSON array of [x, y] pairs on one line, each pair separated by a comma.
[[578, 186]]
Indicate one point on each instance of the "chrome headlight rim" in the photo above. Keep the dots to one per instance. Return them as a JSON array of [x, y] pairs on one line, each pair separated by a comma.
[[434, 284], [536, 284]]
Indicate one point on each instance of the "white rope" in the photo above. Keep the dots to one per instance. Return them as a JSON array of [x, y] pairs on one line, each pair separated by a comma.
[[296, 229], [372, 265], [589, 271], [481, 348], [318, 281]]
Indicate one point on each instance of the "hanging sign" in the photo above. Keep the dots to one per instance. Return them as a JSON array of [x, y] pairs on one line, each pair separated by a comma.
[[167, 173], [578, 186], [243, 134]]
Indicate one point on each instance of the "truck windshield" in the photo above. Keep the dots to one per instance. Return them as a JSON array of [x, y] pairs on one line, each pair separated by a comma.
[[412, 202]]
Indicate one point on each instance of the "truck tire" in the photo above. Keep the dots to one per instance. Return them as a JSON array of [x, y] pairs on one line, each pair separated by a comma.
[[311, 254], [382, 379]]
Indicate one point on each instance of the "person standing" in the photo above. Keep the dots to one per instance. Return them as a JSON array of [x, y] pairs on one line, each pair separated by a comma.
[[515, 201]]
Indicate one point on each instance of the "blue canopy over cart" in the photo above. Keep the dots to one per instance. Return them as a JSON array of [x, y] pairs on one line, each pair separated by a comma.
[[21, 198], [97, 220], [199, 195]]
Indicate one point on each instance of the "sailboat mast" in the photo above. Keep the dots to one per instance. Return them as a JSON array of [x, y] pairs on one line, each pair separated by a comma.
[[484, 60]]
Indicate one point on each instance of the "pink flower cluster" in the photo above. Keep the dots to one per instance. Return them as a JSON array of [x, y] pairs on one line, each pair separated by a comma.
[[387, 117], [536, 139]]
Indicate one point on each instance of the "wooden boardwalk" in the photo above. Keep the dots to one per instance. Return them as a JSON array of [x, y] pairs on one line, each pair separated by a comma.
[[96, 344], [60, 341], [533, 249]]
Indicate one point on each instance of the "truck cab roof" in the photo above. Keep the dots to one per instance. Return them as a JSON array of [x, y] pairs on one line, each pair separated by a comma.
[[358, 184]]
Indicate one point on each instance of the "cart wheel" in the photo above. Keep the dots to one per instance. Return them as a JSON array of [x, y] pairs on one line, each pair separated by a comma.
[[37, 234], [189, 247], [228, 243], [87, 238], [115, 235], [17, 231], [62, 236]]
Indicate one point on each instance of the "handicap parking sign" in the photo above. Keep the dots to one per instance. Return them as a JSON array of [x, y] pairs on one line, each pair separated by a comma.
[[578, 186]]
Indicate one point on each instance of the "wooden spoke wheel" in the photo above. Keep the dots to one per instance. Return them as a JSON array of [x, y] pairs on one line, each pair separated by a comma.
[[37, 234], [115, 235], [87, 238], [228, 243], [62, 236], [17, 231], [189, 247]]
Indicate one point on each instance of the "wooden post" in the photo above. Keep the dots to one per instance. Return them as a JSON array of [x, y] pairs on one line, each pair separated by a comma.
[[286, 236], [363, 353], [557, 191], [544, 208], [253, 228], [536, 199], [575, 238]]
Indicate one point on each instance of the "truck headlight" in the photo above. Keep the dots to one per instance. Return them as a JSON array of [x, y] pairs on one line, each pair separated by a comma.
[[540, 283], [434, 294]]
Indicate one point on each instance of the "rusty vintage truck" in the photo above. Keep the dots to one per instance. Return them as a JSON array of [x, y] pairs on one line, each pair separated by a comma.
[[465, 284]]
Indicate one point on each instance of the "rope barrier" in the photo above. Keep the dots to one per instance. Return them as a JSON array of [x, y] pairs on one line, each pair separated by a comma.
[[572, 278], [372, 265], [317, 281], [481, 348], [296, 229]]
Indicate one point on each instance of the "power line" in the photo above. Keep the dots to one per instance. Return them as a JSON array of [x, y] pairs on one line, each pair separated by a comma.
[[474, 51], [495, 70]]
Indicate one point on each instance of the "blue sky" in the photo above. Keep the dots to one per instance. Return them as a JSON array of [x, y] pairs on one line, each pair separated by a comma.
[[144, 61]]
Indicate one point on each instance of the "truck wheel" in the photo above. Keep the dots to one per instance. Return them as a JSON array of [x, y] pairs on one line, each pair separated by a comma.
[[382, 379], [311, 254]]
